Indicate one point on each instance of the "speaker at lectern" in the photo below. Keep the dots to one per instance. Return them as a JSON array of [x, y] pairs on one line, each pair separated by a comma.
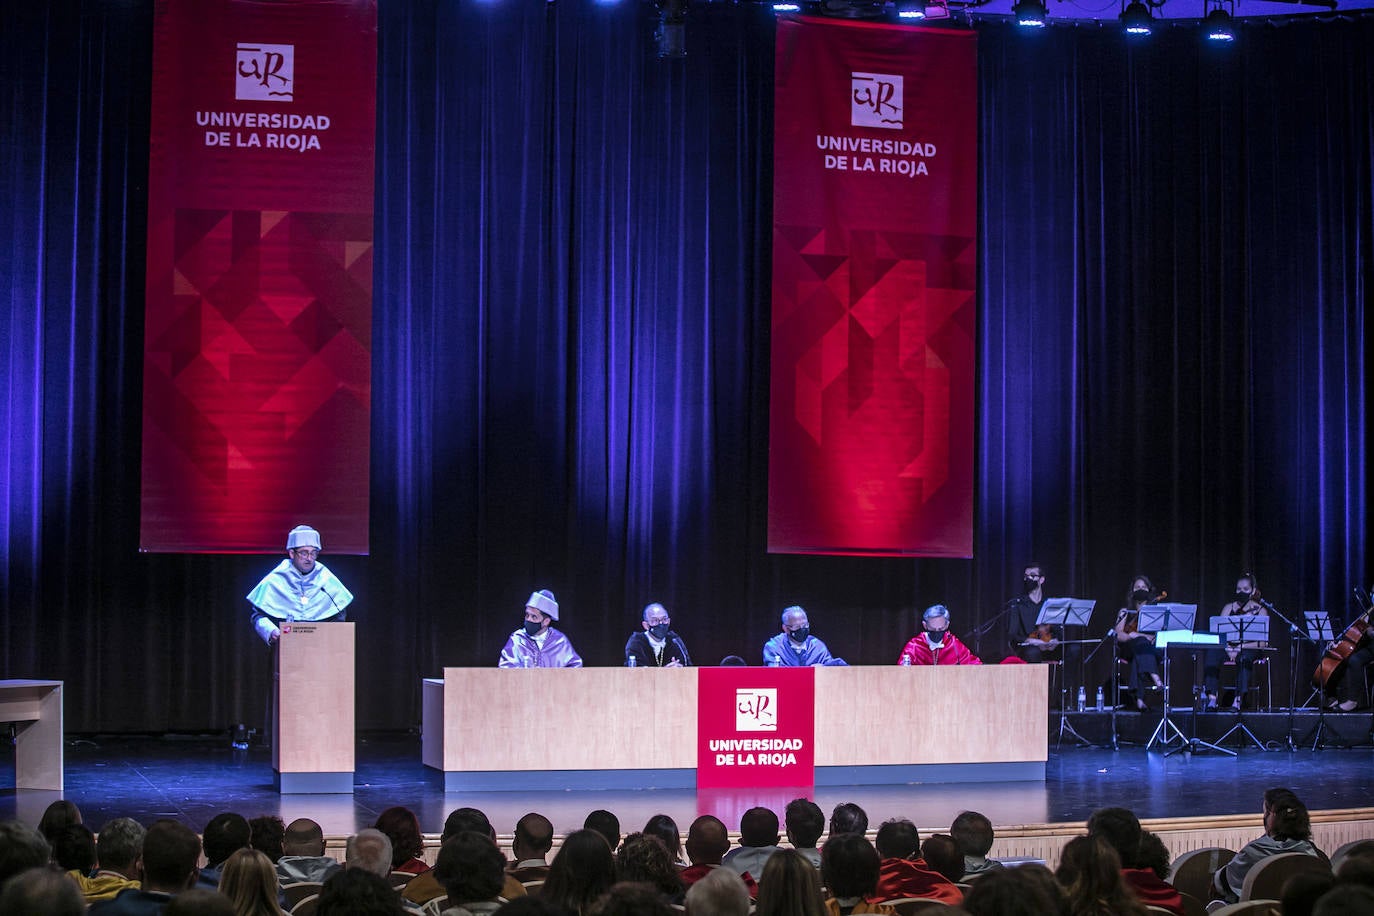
[[313, 730]]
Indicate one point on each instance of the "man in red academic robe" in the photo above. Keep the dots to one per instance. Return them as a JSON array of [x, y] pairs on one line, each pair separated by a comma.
[[902, 873], [936, 645], [707, 843]]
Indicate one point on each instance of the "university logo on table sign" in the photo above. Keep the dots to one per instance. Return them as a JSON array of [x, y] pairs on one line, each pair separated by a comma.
[[265, 73], [756, 709], [875, 100]]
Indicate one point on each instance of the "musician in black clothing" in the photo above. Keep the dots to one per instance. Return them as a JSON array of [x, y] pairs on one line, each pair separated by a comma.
[[1244, 654], [1027, 640], [656, 645], [1348, 678]]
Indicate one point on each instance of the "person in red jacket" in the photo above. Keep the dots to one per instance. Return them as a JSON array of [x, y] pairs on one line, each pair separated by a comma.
[[1121, 830], [936, 645], [903, 873]]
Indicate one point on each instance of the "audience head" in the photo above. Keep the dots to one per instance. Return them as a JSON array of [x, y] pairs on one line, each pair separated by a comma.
[[41, 892], [848, 818], [470, 868], [972, 833], [733, 661], [1285, 816], [1121, 829], [356, 892], [59, 814], [606, 824], [226, 834], [370, 850], [1089, 870], [21, 848], [73, 848], [898, 839], [249, 880], [805, 823], [303, 837], [1007, 892], [119, 846], [267, 833], [665, 828], [758, 827], [464, 819], [171, 856], [942, 854], [644, 859], [1346, 900], [789, 886], [849, 865], [199, 901], [1302, 891], [707, 841], [402, 827], [1153, 855], [630, 899], [583, 870], [721, 893], [533, 837]]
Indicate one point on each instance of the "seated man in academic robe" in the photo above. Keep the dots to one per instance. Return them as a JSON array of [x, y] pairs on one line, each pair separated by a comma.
[[655, 645], [538, 644], [795, 647], [936, 645]]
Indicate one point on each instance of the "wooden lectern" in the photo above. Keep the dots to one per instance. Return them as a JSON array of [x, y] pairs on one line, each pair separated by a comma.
[[313, 733], [38, 742]]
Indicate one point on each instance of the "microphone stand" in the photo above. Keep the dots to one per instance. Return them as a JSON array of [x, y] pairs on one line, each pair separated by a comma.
[[986, 627]]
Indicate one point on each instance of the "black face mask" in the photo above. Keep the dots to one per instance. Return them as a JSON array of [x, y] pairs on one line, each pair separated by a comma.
[[533, 628], [800, 634], [659, 630], [936, 637], [1029, 585], [1141, 594], [1244, 597]]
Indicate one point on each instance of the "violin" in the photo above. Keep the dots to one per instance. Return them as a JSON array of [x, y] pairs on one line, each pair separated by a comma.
[[1336, 654], [1043, 632], [1133, 617]]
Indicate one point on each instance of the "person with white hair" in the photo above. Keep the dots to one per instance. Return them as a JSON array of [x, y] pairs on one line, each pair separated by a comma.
[[370, 850], [299, 588], [538, 644], [720, 893], [795, 647], [935, 645]]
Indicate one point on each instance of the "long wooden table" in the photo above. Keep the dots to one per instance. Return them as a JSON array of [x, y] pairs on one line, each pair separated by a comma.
[[495, 729]]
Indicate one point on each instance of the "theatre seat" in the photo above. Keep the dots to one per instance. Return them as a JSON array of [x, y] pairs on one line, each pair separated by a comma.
[[297, 891], [1249, 908], [307, 906], [1266, 879], [1191, 873]]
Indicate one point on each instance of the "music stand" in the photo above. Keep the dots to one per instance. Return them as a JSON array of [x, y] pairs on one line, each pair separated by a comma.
[[1067, 612], [1320, 633], [1162, 620], [1241, 628]]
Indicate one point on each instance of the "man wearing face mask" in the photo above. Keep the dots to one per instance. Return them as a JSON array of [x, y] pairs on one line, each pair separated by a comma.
[[936, 645], [299, 588], [795, 647], [1246, 601], [538, 644], [1032, 643], [656, 645]]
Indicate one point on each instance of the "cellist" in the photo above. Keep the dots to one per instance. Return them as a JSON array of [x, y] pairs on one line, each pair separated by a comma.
[[1347, 679]]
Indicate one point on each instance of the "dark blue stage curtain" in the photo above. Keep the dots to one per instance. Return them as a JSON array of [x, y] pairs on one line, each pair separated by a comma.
[[570, 347]]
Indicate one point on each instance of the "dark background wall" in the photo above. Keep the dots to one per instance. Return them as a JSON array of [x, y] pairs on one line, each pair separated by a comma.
[[571, 346]]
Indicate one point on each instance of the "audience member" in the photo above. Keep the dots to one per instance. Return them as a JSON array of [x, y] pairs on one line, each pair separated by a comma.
[[1090, 873], [225, 835], [707, 843], [721, 893], [171, 854], [402, 827], [902, 872], [630, 899], [583, 870], [1121, 831], [665, 828], [21, 848], [758, 839], [303, 857], [1302, 891], [425, 887], [118, 848], [73, 849], [1287, 828], [643, 859], [267, 833], [357, 892], [533, 840], [370, 850], [472, 871], [848, 818], [942, 856], [41, 892], [849, 866], [606, 824], [199, 901], [972, 833], [1346, 900], [1154, 855], [805, 823], [1006, 892], [1037, 876], [57, 816], [248, 879], [790, 886]]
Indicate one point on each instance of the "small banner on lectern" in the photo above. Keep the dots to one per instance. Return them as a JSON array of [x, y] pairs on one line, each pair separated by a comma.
[[257, 350], [874, 315]]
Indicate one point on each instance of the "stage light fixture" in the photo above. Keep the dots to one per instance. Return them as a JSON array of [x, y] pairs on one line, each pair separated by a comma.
[[1136, 18], [911, 9], [1218, 25], [1030, 13], [786, 7]]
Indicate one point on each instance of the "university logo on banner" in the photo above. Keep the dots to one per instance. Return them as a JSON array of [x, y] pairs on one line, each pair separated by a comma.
[[257, 349], [871, 409], [755, 727]]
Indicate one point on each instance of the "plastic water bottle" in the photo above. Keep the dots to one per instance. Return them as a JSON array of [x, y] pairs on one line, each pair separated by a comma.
[[906, 661], [632, 662], [1099, 699], [1082, 698]]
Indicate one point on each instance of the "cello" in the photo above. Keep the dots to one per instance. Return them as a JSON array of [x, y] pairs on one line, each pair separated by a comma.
[[1339, 651]]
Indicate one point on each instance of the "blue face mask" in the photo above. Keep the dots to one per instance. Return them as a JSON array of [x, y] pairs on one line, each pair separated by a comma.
[[533, 627], [659, 630], [800, 635]]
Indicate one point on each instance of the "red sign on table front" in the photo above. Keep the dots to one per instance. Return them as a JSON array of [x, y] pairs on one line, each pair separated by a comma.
[[755, 727]]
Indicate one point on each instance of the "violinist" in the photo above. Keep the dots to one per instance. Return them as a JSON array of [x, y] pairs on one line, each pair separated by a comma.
[[1032, 643], [1139, 648], [1246, 601]]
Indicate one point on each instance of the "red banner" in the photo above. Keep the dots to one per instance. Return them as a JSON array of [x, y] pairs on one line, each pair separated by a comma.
[[756, 727], [874, 312], [257, 352]]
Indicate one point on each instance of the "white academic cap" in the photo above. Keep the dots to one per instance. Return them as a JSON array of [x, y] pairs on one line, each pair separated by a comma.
[[303, 536], [544, 602]]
